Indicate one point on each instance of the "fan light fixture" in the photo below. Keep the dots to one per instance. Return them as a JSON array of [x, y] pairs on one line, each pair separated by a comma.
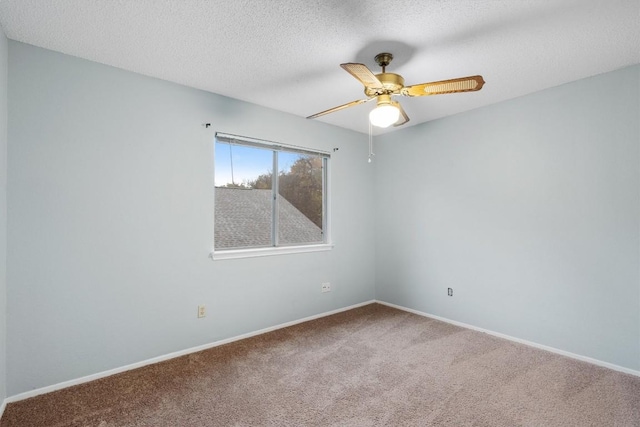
[[386, 113]]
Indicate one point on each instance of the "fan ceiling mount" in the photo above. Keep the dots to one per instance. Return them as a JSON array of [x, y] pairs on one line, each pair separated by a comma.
[[383, 86]]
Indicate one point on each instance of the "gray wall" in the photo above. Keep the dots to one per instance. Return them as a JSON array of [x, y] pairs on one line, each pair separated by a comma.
[[110, 208], [529, 210], [3, 213]]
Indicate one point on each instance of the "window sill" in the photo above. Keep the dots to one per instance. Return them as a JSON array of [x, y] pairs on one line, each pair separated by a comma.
[[251, 253]]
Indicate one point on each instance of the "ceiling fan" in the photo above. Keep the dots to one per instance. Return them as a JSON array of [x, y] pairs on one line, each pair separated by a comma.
[[383, 86]]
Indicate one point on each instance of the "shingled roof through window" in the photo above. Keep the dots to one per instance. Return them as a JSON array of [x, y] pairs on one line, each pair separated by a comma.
[[243, 219]]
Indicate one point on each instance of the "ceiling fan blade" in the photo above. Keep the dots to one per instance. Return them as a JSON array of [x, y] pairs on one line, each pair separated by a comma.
[[403, 116], [363, 74], [340, 107], [463, 84]]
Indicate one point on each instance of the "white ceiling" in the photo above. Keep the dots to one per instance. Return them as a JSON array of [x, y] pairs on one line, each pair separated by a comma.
[[285, 54]]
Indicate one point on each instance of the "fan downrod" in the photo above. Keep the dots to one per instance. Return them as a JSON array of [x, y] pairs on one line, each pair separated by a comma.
[[383, 59]]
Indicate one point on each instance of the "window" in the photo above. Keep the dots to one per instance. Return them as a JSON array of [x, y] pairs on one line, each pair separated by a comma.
[[268, 197]]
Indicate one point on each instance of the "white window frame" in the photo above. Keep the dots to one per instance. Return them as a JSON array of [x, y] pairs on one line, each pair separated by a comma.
[[326, 245]]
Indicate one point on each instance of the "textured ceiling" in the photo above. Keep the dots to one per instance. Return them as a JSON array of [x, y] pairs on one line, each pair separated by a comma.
[[286, 54]]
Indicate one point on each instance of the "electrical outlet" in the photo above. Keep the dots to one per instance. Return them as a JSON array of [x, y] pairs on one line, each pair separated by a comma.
[[450, 292], [202, 311], [326, 287]]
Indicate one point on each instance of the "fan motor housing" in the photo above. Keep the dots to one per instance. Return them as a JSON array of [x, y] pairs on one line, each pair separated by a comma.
[[391, 82]]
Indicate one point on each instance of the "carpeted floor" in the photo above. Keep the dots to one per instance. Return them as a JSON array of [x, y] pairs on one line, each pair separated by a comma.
[[371, 366]]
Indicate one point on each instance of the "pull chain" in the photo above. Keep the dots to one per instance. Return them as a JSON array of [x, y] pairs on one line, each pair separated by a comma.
[[371, 153]]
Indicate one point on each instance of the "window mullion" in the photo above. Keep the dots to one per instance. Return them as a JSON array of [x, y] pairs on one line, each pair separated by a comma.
[[324, 199], [274, 201]]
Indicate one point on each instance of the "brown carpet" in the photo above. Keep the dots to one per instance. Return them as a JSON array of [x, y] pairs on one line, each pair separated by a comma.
[[369, 366]]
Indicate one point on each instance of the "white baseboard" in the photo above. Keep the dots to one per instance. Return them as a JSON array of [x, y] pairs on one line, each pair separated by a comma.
[[88, 378], [518, 340], [70, 383], [2, 406]]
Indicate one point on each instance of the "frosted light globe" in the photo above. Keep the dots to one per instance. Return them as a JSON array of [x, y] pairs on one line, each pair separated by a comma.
[[384, 115]]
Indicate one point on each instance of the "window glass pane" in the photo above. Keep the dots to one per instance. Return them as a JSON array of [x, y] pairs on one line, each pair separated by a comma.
[[300, 198], [243, 196], [248, 173]]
